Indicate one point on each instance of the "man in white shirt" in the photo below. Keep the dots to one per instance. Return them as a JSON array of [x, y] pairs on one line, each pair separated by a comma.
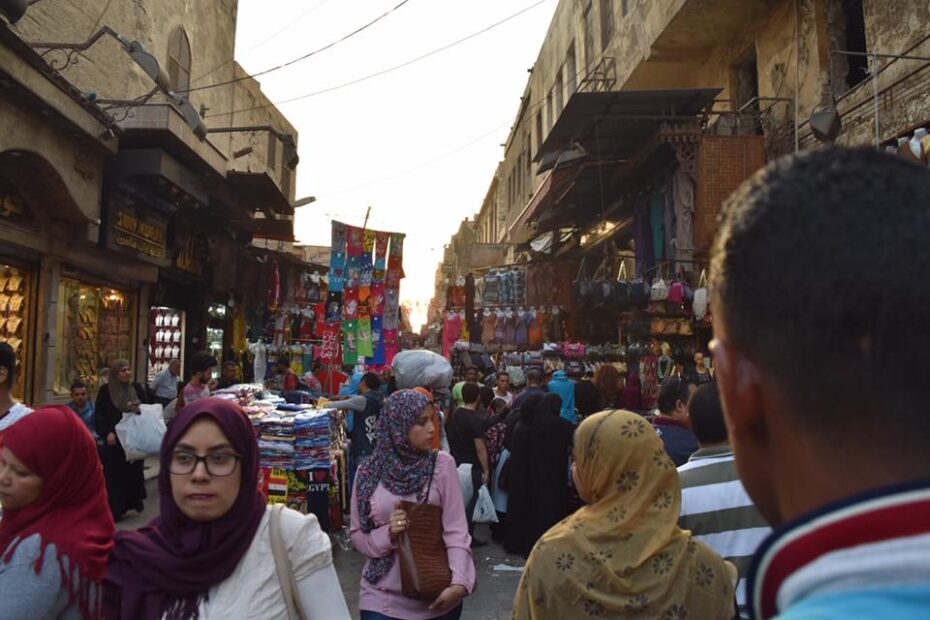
[[165, 384], [503, 388], [11, 411]]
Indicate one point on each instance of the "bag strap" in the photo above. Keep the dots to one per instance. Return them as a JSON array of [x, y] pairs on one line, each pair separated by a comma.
[[583, 269], [282, 566], [433, 457], [622, 274]]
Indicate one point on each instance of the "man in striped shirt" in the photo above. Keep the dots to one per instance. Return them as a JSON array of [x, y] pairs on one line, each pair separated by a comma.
[[714, 504]]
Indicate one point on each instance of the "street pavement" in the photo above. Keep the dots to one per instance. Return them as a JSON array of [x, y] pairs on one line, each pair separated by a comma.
[[492, 600]]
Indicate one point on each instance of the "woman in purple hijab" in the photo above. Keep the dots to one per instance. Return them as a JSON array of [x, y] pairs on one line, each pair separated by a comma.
[[209, 552]]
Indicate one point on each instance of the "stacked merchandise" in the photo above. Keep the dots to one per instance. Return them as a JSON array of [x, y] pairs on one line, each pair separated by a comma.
[[276, 442], [312, 439]]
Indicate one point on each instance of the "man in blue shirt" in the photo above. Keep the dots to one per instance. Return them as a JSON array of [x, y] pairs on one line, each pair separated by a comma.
[[672, 424], [81, 405], [821, 310], [165, 384]]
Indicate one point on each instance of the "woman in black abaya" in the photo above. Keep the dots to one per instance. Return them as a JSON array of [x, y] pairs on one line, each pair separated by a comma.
[[519, 539], [550, 459], [125, 481]]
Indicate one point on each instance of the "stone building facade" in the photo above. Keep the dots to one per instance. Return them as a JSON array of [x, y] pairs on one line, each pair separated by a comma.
[[775, 62], [120, 205]]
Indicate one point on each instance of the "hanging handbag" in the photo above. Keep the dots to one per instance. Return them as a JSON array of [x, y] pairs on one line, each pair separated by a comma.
[[421, 551], [283, 568], [582, 286], [622, 292]]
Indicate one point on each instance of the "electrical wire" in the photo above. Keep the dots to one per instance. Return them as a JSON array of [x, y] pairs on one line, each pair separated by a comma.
[[529, 110], [389, 69], [290, 25], [99, 19], [301, 58], [262, 43]]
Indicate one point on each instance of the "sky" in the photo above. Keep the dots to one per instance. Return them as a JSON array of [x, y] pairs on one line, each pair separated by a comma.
[[418, 145]]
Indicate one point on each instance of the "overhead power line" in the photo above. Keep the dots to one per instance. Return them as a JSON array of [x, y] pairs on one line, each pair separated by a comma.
[[389, 69], [290, 24], [301, 58]]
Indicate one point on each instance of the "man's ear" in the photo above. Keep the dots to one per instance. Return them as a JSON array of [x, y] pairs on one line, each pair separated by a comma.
[[739, 382]]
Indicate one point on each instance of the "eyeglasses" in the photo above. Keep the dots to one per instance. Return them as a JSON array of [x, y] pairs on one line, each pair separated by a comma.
[[217, 464]]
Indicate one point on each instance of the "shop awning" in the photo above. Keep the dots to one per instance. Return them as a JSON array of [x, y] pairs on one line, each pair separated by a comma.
[[617, 124], [259, 190], [157, 164], [265, 228], [521, 230]]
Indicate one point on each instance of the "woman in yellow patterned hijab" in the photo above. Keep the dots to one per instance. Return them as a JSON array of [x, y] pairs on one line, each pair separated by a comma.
[[623, 554]]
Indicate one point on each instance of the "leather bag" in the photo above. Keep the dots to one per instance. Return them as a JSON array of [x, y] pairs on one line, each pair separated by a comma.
[[421, 551]]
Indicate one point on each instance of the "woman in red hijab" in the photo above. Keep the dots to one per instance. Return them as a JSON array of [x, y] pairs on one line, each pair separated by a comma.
[[57, 530]]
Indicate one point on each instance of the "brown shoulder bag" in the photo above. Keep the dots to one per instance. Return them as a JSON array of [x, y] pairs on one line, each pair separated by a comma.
[[421, 551]]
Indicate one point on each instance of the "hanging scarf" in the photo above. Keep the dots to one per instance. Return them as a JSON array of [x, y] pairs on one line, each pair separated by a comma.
[[167, 568], [396, 464], [623, 554], [122, 394], [563, 386], [72, 511]]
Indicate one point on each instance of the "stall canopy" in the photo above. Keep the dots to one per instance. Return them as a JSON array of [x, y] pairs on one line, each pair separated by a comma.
[[605, 135], [617, 124]]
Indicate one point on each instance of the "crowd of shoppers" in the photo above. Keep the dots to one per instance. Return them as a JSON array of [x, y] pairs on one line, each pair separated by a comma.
[[678, 506]]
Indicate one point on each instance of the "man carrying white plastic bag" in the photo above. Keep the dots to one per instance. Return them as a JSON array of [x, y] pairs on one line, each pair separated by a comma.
[[141, 434]]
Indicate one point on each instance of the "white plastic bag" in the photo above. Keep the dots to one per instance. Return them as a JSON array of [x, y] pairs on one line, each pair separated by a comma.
[[484, 509], [465, 480], [413, 369], [142, 434]]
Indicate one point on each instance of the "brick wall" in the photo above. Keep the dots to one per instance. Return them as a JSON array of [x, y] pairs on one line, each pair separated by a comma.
[[724, 162]]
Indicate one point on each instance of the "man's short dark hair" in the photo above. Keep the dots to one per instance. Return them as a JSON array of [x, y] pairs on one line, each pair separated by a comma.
[[534, 377], [283, 361], [470, 393], [78, 385], [8, 361], [503, 373], [202, 362], [372, 381], [231, 364], [706, 414], [673, 389], [819, 277]]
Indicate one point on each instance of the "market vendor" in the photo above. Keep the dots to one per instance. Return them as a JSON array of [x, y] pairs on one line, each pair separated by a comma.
[[364, 408], [290, 382]]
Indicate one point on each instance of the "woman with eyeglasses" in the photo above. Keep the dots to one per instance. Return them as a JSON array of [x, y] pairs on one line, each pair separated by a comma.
[[209, 554], [56, 530]]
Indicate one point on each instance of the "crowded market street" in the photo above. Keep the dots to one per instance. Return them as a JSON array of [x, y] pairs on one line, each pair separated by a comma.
[[464, 310]]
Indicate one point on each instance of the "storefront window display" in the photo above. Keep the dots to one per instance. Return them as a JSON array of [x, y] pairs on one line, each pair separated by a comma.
[[216, 331], [15, 291], [166, 339], [95, 328]]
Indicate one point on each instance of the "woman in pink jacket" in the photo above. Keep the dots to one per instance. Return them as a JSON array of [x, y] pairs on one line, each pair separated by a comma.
[[401, 469]]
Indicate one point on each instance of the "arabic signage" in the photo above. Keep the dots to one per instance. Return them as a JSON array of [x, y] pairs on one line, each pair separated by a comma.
[[133, 231]]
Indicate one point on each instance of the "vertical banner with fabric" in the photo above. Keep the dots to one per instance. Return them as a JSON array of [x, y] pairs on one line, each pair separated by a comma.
[[363, 310]]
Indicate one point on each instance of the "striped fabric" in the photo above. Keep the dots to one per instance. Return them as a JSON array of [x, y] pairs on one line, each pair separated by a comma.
[[719, 512]]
